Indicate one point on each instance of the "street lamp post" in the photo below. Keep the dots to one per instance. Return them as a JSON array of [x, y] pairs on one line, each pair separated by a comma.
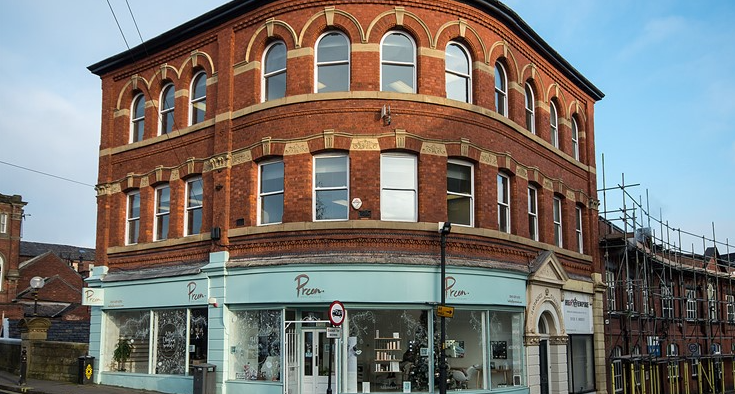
[[444, 229], [37, 283]]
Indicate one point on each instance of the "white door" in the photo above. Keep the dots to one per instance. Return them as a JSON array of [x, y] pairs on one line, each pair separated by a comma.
[[315, 348]]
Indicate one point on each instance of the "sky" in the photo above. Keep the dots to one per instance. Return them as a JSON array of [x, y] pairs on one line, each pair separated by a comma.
[[666, 124]]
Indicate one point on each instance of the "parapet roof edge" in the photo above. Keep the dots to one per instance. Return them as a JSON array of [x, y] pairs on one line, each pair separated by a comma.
[[233, 9]]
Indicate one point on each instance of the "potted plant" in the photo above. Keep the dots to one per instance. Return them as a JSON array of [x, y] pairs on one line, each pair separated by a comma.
[[123, 348]]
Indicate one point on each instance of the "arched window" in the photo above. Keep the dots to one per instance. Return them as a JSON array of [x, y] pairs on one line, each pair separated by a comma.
[[2, 273], [575, 139], [198, 98], [457, 75], [501, 90], [397, 63], [332, 63], [274, 71], [554, 122], [530, 112], [137, 121], [167, 109]]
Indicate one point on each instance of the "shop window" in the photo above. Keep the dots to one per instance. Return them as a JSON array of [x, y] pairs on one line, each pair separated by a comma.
[[255, 345], [503, 203], [558, 235], [271, 193], [398, 184], [501, 90], [179, 339], [533, 213], [554, 124], [274, 71], [530, 110], [166, 115], [397, 63], [198, 102], [460, 193], [506, 349], [163, 212], [132, 226], [194, 203], [332, 63], [457, 74], [330, 187], [137, 121], [581, 364], [465, 348]]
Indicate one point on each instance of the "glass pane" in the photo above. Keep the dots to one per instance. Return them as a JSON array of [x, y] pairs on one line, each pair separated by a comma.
[[171, 342], [139, 110], [394, 348], [333, 78], [459, 178], [167, 120], [134, 205], [275, 86], [459, 210], [397, 48], [502, 189], [331, 205], [168, 98], [465, 349], [581, 363], [398, 205], [456, 60], [198, 336], [133, 231], [398, 172], [275, 59], [499, 78], [255, 345], [271, 209], [271, 177], [194, 221], [332, 47], [325, 347], [200, 87], [198, 109], [457, 87], [163, 196], [195, 193], [331, 172], [129, 331], [503, 224], [397, 78], [506, 349], [499, 102], [162, 227]]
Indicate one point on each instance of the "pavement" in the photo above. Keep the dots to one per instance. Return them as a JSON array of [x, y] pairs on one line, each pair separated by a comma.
[[9, 384]]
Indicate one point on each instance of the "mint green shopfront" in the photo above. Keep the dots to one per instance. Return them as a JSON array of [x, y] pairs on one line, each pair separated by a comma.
[[266, 328]]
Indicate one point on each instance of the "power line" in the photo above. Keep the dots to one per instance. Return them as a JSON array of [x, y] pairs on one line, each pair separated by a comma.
[[45, 173]]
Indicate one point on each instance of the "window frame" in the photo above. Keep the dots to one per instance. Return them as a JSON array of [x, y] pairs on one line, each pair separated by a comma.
[[137, 123], [504, 201], [384, 188], [712, 311], [690, 296], [667, 300], [317, 64], [533, 227], [191, 209], [266, 75], [501, 92], [730, 301], [316, 189], [530, 105], [158, 215], [262, 195], [617, 363], [471, 194], [575, 139], [195, 101], [130, 198], [579, 230], [554, 124], [3, 223], [611, 291], [557, 215], [467, 78], [164, 110], [413, 64]]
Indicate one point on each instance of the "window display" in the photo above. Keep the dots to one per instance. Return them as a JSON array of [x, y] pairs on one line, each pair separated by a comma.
[[178, 335], [255, 346], [506, 349]]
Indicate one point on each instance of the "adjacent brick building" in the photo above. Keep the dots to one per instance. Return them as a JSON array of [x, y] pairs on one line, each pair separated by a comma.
[[268, 158]]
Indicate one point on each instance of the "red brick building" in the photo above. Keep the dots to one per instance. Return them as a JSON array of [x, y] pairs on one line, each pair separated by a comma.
[[268, 158]]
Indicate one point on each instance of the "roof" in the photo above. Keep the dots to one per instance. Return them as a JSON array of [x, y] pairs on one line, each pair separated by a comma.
[[68, 252], [234, 9], [14, 199]]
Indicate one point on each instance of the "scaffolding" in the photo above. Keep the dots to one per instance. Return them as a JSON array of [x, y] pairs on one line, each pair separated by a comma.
[[669, 311]]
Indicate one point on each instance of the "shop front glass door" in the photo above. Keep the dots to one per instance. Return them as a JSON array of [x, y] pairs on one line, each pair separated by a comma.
[[315, 348]]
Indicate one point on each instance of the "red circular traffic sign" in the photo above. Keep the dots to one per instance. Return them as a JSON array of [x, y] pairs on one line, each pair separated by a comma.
[[336, 313]]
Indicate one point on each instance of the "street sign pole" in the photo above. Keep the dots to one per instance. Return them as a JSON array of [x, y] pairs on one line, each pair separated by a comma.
[[336, 317]]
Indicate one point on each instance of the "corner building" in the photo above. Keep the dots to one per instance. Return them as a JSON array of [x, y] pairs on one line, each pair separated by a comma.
[[268, 158]]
